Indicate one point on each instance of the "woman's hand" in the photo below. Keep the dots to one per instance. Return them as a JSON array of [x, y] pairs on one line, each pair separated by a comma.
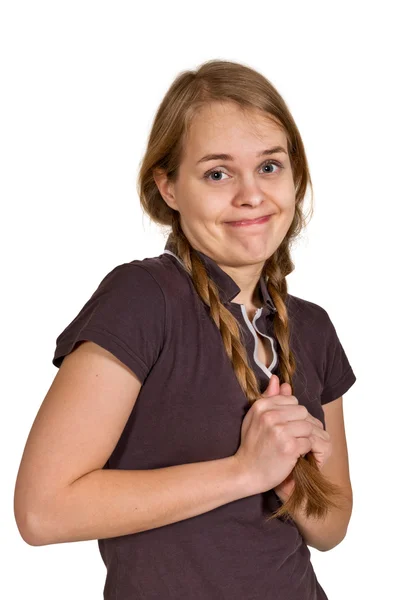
[[274, 434], [321, 448]]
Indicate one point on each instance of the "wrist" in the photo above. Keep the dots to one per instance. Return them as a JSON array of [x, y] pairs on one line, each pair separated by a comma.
[[241, 477]]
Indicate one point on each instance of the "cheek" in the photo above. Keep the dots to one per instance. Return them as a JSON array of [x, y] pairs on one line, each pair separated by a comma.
[[204, 206], [288, 204], [290, 212], [199, 210], [190, 201]]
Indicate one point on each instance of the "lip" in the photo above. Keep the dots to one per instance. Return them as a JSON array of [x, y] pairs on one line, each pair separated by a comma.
[[247, 222]]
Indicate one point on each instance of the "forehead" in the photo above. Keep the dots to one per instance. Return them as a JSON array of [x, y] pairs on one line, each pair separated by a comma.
[[224, 127]]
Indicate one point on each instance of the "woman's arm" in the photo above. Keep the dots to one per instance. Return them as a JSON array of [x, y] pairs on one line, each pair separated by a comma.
[[63, 494], [327, 533], [109, 503]]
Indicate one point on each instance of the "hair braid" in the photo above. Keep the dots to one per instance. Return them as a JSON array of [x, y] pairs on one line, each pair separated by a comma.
[[224, 320], [310, 484]]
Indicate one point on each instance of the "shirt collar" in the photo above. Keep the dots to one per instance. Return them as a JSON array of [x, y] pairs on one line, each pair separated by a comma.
[[228, 288]]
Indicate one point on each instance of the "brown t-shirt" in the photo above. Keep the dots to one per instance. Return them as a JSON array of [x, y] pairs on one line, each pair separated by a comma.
[[190, 409]]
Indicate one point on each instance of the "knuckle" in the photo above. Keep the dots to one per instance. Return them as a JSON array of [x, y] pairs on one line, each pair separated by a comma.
[[289, 446], [270, 418], [279, 430], [303, 411], [309, 427], [261, 405], [305, 446]]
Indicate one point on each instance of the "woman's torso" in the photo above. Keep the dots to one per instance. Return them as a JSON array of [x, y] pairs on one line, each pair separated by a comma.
[[190, 409]]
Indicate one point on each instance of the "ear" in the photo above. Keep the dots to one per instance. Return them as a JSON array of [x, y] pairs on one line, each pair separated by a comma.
[[165, 187]]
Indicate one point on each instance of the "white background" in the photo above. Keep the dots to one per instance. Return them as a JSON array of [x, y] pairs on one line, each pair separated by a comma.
[[81, 82]]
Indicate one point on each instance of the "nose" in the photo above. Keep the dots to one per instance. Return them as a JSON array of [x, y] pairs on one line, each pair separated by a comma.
[[250, 193]]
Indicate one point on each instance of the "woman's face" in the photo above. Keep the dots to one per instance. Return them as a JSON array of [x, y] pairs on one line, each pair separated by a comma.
[[208, 193]]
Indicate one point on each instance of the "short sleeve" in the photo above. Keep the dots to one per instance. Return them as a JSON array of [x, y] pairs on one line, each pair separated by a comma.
[[125, 315], [338, 373]]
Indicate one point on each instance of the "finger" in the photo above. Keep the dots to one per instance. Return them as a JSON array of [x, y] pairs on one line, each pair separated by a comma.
[[319, 447], [272, 388], [304, 445], [317, 432], [300, 428], [286, 389], [264, 403], [315, 421]]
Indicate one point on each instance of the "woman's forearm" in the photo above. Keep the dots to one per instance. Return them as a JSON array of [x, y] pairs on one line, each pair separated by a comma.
[[109, 503], [323, 534]]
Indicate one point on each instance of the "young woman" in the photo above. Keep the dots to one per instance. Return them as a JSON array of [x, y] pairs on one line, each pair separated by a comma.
[[197, 402]]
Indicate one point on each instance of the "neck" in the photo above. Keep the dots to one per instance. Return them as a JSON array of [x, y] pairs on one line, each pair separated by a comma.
[[247, 279]]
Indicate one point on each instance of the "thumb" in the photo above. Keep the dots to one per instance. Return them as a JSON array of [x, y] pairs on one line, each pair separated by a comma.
[[273, 387]]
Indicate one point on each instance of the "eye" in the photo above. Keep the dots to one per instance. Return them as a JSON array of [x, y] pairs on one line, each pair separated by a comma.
[[268, 163]]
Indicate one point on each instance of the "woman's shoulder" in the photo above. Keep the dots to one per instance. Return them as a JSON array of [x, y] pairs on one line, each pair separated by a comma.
[[164, 271], [125, 313], [147, 274], [304, 311]]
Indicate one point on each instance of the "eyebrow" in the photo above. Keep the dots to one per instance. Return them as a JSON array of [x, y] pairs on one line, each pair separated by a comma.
[[269, 151]]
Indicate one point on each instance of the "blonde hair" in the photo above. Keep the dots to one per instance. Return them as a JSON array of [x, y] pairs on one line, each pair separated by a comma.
[[225, 81]]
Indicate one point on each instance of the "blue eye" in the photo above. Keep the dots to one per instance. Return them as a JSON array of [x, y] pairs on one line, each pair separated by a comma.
[[266, 164]]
